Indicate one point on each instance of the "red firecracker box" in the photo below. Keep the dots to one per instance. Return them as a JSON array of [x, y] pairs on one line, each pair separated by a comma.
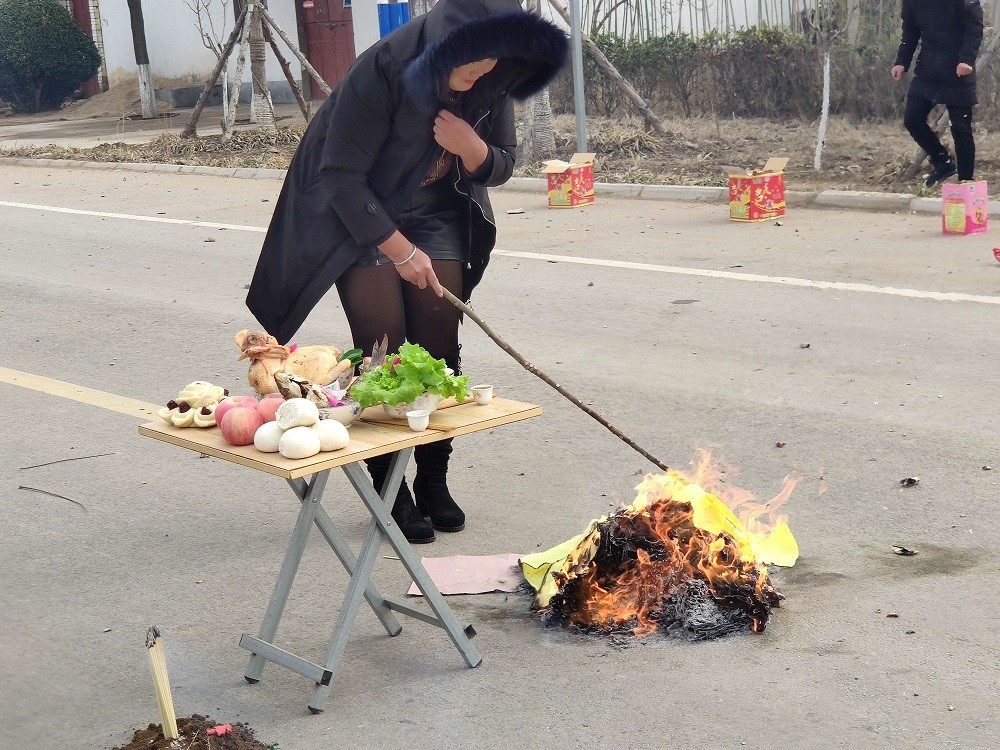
[[758, 194], [964, 207], [571, 183]]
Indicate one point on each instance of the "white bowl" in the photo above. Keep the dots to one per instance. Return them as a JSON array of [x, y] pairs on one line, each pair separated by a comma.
[[427, 401]]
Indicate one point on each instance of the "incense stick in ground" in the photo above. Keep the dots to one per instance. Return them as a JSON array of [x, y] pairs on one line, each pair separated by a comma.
[[161, 683]]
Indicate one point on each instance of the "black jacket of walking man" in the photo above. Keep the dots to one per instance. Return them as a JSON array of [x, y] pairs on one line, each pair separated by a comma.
[[949, 32]]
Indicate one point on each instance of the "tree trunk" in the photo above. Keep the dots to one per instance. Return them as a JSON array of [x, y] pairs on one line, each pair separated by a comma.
[[545, 139], [225, 91], [538, 142], [853, 20], [825, 114], [261, 106], [230, 121], [146, 93]]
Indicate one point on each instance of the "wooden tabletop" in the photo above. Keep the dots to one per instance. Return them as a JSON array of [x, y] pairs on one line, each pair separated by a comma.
[[374, 435]]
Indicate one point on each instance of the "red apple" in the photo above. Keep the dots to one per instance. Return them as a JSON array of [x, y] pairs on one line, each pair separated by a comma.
[[239, 424], [228, 403], [269, 405]]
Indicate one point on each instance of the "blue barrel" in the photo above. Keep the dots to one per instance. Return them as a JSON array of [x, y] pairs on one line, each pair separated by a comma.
[[391, 16]]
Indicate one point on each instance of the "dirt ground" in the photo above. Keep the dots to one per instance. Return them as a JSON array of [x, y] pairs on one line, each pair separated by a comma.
[[193, 735], [865, 156]]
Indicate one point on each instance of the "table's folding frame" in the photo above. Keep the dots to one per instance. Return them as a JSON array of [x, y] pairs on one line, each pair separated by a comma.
[[382, 526], [308, 479]]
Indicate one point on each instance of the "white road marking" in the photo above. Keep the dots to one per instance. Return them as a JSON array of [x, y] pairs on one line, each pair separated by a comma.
[[676, 270], [133, 217], [786, 280]]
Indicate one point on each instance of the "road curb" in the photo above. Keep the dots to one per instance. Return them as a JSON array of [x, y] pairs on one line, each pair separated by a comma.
[[849, 199]]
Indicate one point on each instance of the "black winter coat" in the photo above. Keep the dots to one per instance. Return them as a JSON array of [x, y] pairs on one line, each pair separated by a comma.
[[370, 145], [949, 32]]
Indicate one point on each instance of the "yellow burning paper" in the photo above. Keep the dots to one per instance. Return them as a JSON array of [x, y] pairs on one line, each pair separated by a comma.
[[760, 544]]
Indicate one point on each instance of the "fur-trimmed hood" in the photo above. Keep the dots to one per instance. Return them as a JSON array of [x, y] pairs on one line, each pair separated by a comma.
[[530, 50]]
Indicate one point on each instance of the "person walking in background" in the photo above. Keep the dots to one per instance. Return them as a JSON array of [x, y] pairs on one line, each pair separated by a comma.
[[950, 33]]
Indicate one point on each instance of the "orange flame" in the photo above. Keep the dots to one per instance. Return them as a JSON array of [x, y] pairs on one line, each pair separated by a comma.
[[673, 533]]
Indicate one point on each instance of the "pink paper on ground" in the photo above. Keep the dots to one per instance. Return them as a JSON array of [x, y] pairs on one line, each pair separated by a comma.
[[472, 574]]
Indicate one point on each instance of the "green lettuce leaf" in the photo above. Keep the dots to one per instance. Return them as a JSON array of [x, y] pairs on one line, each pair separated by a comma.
[[404, 376]]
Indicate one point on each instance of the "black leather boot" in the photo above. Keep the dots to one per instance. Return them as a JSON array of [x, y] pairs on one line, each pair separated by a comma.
[[431, 487], [414, 526]]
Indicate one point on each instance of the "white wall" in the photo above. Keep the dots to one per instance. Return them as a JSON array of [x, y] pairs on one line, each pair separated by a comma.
[[175, 49], [365, 15]]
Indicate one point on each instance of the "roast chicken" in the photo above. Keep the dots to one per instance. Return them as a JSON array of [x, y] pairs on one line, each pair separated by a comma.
[[317, 363]]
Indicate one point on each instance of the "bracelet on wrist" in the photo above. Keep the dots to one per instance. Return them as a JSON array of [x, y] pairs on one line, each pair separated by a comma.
[[409, 257]]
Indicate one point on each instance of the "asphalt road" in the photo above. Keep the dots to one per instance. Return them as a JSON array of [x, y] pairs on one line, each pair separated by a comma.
[[683, 329]]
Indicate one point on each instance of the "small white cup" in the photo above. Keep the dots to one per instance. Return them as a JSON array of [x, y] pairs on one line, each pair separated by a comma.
[[418, 419], [482, 394]]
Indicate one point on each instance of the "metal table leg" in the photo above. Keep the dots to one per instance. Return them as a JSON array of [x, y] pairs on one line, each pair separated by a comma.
[[443, 616], [362, 571], [343, 551], [361, 587], [290, 564]]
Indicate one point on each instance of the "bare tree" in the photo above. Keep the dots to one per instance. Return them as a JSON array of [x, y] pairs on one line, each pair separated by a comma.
[[824, 23], [213, 37]]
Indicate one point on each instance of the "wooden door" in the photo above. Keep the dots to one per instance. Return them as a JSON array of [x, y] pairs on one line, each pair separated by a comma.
[[329, 31]]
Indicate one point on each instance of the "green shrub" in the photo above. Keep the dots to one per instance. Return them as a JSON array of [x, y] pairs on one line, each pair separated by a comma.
[[44, 54]]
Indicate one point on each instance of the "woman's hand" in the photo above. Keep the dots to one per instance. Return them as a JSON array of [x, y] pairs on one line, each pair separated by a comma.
[[455, 135], [411, 263], [963, 69], [897, 72], [419, 270]]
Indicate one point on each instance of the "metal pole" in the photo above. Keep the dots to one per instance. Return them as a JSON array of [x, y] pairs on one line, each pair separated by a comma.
[[576, 42]]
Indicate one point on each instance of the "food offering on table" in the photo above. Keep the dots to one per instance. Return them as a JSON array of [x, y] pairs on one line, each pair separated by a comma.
[[331, 400], [407, 380], [318, 364], [298, 432], [195, 405]]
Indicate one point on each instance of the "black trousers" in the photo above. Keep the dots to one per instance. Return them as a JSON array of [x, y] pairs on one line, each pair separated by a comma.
[[915, 120]]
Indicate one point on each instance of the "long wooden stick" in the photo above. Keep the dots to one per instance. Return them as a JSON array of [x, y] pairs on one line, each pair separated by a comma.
[[535, 371], [297, 52], [191, 128], [161, 683]]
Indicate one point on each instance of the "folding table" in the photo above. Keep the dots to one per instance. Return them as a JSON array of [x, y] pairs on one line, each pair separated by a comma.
[[374, 435]]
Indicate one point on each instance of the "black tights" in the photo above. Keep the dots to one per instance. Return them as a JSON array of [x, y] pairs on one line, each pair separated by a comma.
[[915, 121], [378, 302]]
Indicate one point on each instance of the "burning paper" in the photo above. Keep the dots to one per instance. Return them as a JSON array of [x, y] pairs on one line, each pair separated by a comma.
[[678, 560]]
